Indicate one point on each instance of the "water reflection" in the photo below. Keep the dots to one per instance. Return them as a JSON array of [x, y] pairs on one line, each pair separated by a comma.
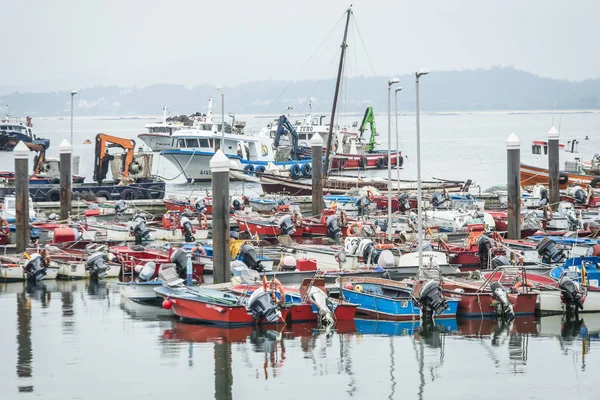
[[24, 348]]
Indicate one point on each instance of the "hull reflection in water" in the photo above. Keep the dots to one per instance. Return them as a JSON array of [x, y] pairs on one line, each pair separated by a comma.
[[394, 328]]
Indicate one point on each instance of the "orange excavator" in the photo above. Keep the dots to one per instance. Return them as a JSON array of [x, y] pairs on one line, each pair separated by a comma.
[[103, 158]]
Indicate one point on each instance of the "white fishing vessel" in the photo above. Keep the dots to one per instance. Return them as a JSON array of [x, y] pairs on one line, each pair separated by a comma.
[[158, 136], [15, 130]]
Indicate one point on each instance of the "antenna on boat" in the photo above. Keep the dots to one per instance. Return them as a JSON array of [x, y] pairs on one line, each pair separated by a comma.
[[165, 114], [209, 110]]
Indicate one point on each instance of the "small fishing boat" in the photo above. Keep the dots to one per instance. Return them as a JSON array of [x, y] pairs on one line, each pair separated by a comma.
[[212, 306], [386, 299]]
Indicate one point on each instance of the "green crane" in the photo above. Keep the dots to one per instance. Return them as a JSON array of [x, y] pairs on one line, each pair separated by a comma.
[[369, 118]]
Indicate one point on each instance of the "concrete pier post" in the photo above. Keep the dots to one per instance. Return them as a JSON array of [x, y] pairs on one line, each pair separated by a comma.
[[553, 167], [316, 144], [66, 188], [21, 154], [513, 150], [219, 167]]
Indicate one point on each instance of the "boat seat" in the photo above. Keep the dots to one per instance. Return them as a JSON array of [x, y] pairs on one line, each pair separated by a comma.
[[168, 275]]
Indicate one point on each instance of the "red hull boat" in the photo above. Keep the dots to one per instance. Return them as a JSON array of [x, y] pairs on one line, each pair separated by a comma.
[[375, 160]]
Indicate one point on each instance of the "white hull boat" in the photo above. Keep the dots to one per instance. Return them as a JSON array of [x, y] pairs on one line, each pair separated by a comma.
[[140, 292], [72, 270], [16, 274], [98, 232]]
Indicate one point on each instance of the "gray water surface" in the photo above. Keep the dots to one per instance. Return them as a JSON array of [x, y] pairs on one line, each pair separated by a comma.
[[80, 340]]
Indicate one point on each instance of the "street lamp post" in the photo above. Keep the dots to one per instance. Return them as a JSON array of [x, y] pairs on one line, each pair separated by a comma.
[[389, 227], [397, 137], [73, 93], [222, 115], [419, 193]]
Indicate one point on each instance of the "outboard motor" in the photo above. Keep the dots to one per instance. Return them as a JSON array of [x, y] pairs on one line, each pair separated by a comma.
[[386, 259], [437, 199], [367, 250], [120, 207], [505, 309], [35, 268], [248, 256], [139, 229], [546, 248], [96, 265], [570, 295], [351, 245], [333, 228], [500, 261], [286, 225], [318, 298], [544, 199], [145, 272], [179, 257], [431, 300], [186, 227], [403, 203], [362, 203], [289, 263], [427, 246], [572, 220], [236, 205], [200, 206], [579, 195], [262, 306], [484, 247]]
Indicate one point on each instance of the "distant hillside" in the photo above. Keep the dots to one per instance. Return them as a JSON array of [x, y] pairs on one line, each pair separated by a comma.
[[498, 88]]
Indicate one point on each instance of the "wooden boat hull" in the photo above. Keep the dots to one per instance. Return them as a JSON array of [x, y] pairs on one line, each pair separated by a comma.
[[531, 176]]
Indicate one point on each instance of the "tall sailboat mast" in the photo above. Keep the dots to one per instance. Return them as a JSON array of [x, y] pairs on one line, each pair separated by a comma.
[[337, 91]]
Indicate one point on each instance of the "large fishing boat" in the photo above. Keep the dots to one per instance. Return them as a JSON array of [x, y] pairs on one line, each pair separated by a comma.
[[14, 130], [159, 133]]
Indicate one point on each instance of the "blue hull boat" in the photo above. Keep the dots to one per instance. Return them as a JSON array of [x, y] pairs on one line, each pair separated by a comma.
[[402, 328], [387, 299], [572, 268]]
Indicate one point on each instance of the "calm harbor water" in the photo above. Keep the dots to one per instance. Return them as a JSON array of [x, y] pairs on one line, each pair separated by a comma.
[[80, 340]]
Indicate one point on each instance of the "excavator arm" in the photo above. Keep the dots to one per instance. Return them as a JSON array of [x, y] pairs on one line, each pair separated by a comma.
[[102, 157], [40, 158], [283, 127], [369, 119]]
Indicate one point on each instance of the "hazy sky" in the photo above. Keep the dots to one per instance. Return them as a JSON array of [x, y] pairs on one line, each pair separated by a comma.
[[75, 43]]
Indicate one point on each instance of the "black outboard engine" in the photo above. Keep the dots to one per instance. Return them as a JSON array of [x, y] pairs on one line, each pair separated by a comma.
[[544, 200], [484, 247], [35, 268], [139, 229], [362, 203], [186, 227], [370, 253], [570, 295], [200, 206], [120, 207], [403, 203], [437, 199], [431, 300], [248, 256], [546, 248], [286, 225], [333, 228], [96, 265], [505, 309], [262, 306], [580, 196], [572, 220], [179, 257], [500, 261], [236, 205]]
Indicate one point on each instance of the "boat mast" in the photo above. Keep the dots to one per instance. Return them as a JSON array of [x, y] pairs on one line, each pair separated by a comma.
[[337, 90]]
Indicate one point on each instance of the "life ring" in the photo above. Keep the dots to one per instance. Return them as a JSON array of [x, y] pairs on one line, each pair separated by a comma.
[[381, 163], [519, 284], [549, 213], [295, 171], [516, 258], [306, 170], [350, 231], [563, 178], [249, 169], [384, 246], [5, 227], [199, 249], [370, 195], [53, 195], [276, 284], [260, 169], [202, 221]]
